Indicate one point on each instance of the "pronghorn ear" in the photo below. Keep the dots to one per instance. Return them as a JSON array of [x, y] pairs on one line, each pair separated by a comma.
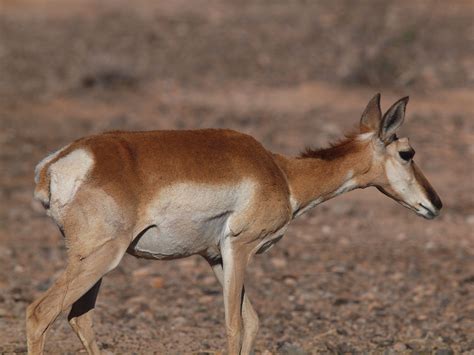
[[370, 120], [393, 118]]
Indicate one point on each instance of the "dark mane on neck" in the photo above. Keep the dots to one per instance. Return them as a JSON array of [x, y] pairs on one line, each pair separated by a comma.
[[336, 150]]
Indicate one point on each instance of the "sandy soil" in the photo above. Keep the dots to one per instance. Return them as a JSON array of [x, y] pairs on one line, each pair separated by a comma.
[[358, 273]]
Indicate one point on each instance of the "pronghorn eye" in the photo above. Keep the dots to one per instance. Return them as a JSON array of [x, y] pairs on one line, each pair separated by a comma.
[[407, 155]]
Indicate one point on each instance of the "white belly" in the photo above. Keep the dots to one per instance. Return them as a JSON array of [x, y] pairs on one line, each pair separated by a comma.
[[188, 218]]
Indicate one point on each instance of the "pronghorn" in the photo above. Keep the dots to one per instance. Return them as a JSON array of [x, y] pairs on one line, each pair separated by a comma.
[[216, 193]]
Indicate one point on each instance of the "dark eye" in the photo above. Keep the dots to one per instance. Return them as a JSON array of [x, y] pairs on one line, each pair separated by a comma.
[[407, 155]]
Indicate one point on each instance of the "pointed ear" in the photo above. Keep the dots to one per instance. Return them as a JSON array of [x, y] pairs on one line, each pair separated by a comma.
[[393, 118], [370, 120]]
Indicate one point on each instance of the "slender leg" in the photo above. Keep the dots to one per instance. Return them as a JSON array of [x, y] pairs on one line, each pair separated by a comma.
[[80, 319], [234, 263], [251, 324], [80, 275], [249, 316]]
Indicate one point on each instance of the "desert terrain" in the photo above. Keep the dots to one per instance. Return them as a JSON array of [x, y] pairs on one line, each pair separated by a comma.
[[356, 274]]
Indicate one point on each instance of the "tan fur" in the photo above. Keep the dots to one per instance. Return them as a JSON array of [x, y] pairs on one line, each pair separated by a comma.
[[217, 193]]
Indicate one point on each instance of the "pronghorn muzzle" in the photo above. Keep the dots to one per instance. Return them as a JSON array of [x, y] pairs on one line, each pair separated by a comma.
[[431, 207]]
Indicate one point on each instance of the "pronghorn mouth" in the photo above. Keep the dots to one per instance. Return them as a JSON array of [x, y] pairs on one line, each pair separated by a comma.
[[421, 210], [429, 214]]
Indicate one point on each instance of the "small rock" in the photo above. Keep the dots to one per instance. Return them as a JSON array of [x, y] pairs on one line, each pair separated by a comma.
[[326, 229], [338, 269], [417, 344], [20, 350], [289, 281], [180, 321], [399, 347], [341, 301], [401, 237], [187, 263], [345, 348], [444, 352], [157, 282], [430, 245], [143, 271], [212, 291], [5, 252], [290, 349], [469, 279], [209, 280], [206, 299], [344, 241], [279, 262]]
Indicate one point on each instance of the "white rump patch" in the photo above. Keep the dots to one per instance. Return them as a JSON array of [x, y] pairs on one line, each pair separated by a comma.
[[67, 174], [45, 161]]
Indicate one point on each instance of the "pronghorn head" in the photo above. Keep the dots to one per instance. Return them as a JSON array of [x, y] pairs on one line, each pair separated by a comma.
[[393, 170]]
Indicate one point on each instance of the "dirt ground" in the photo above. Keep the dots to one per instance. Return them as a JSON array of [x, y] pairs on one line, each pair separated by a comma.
[[358, 273]]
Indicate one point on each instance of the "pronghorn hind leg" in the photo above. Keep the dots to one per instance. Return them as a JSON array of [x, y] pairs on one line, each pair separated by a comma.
[[80, 318], [81, 274], [249, 316]]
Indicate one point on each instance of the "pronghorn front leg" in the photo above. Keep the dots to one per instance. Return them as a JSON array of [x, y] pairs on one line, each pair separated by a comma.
[[251, 323], [234, 262], [249, 316]]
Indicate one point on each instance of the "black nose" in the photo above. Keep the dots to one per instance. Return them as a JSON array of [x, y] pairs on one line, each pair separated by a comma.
[[430, 192], [434, 198]]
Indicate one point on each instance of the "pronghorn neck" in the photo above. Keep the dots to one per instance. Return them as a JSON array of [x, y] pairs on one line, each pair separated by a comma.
[[318, 176]]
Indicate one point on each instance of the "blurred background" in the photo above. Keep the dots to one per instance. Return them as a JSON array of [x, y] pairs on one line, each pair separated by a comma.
[[355, 274]]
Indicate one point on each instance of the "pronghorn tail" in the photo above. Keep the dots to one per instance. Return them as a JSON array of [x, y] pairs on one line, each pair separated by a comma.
[[43, 179]]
